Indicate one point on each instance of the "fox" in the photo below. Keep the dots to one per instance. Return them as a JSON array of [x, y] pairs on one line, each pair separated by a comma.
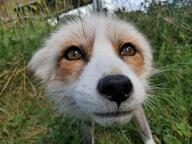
[[97, 68]]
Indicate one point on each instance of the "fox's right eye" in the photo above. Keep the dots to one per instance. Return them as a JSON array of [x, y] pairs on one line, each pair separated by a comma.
[[73, 53]]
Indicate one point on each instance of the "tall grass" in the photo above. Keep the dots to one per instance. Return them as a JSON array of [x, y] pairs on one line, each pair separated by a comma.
[[26, 117]]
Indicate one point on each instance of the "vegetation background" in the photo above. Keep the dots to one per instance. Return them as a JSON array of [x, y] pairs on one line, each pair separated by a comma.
[[26, 116]]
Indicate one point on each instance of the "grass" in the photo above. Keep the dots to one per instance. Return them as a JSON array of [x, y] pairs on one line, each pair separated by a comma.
[[26, 116]]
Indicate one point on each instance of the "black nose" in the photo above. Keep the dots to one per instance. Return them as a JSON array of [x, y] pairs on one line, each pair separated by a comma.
[[116, 88]]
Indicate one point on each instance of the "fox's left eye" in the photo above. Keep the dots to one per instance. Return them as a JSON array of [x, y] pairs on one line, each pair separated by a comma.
[[73, 53], [127, 50]]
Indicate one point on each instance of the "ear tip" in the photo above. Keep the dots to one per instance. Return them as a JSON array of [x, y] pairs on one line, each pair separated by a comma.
[[33, 65], [30, 68], [36, 60], [30, 65], [39, 68]]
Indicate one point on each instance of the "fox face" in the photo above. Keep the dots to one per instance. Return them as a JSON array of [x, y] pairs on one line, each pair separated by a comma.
[[96, 67]]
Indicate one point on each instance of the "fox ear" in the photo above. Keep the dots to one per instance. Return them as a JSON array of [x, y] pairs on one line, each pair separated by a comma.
[[42, 64]]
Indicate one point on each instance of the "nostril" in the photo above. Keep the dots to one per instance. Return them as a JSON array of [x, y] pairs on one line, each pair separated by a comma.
[[116, 88]]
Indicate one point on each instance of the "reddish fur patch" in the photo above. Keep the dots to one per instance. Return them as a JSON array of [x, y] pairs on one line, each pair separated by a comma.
[[71, 69], [137, 61]]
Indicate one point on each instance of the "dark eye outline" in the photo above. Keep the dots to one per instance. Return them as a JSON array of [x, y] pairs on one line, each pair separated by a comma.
[[128, 45], [74, 48]]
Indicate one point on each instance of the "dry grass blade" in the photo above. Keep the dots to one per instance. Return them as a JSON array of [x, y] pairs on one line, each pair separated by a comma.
[[4, 73], [24, 79], [31, 84], [14, 73], [8, 81]]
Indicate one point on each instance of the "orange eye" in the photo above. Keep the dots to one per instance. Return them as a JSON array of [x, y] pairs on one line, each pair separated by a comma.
[[73, 53], [127, 50]]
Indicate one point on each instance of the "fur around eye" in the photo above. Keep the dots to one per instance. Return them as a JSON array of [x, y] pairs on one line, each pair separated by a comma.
[[127, 50], [73, 53]]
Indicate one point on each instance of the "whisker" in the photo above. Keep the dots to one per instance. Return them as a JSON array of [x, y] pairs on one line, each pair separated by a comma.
[[151, 105], [165, 68]]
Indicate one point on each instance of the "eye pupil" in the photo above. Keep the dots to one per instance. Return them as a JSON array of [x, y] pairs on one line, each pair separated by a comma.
[[127, 50], [73, 53]]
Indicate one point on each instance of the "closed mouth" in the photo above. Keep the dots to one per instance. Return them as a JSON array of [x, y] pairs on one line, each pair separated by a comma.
[[112, 114]]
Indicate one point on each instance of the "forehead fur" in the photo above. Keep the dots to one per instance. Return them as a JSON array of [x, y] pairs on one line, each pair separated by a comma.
[[82, 32]]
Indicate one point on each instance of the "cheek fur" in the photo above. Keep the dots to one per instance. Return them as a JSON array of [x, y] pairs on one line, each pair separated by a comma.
[[135, 62], [69, 70]]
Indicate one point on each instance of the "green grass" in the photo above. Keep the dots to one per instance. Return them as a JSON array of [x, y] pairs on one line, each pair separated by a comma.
[[26, 116]]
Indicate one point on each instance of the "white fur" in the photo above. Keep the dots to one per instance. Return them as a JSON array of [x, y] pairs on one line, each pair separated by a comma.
[[104, 62], [150, 141], [80, 97]]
